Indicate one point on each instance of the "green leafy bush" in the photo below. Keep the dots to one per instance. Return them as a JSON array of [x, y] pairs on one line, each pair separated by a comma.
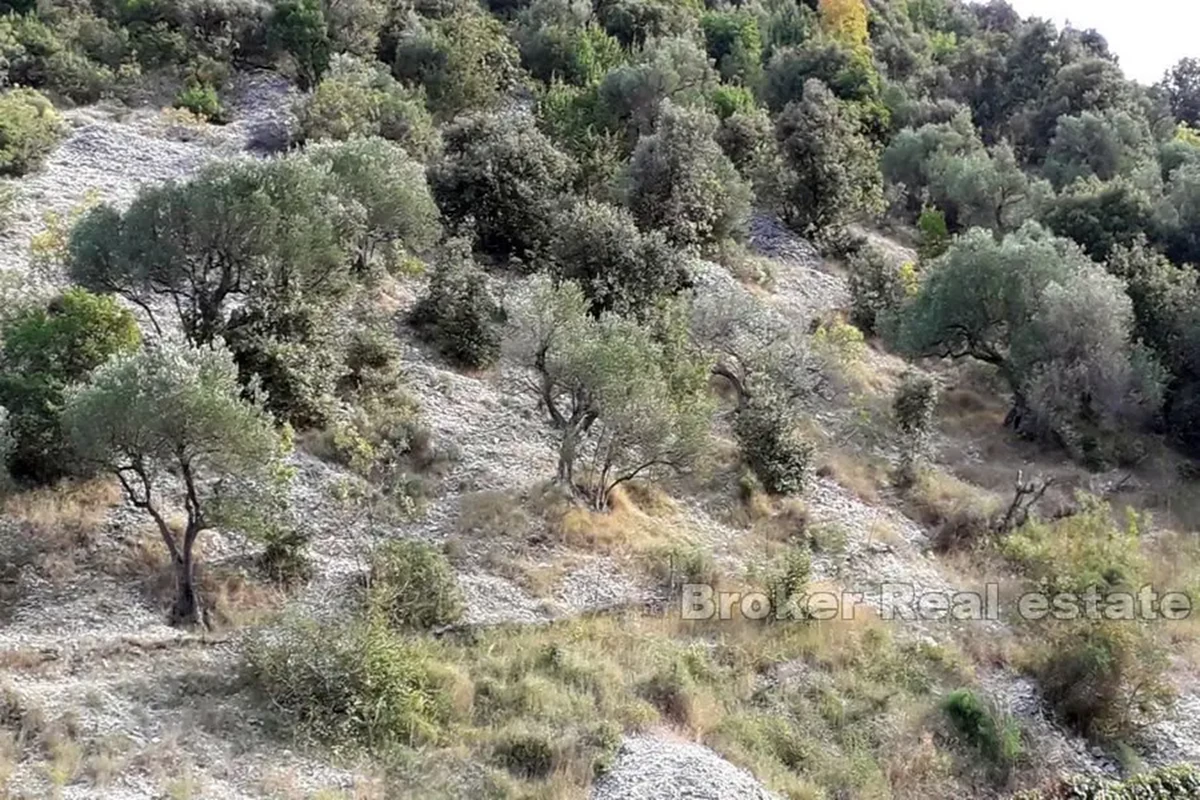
[[1180, 782], [347, 685], [502, 174], [294, 354], [201, 99], [45, 350], [29, 131], [298, 28], [935, 235], [413, 586], [465, 62], [832, 171], [776, 453], [913, 405], [618, 267], [996, 736], [458, 312], [357, 98], [878, 288], [681, 182], [1105, 679]]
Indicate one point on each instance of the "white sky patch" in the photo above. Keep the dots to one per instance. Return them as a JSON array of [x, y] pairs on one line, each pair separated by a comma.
[[1148, 35]]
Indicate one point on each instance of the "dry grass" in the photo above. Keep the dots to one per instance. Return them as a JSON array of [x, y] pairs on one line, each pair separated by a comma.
[[491, 514], [960, 513], [625, 529], [54, 524], [233, 596], [862, 476], [69, 512]]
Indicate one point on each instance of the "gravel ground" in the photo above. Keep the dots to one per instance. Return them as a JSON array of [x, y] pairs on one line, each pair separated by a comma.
[[658, 768]]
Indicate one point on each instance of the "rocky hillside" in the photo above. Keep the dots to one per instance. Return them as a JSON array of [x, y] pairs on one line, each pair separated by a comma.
[[105, 700]]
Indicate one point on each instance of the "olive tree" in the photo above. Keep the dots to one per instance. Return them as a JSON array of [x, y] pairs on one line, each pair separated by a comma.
[[394, 213], [181, 409], [682, 183], [627, 401], [272, 232], [757, 351], [1102, 145], [984, 188], [1053, 323]]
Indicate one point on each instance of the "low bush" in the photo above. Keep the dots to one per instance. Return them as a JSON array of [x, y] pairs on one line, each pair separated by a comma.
[[877, 289], [201, 99], [29, 131], [913, 405], [351, 684], [1166, 783], [771, 447], [458, 312], [413, 586], [360, 99], [1105, 679], [995, 735], [786, 581]]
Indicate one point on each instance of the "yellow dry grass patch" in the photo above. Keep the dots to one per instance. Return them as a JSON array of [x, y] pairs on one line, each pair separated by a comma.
[[65, 513], [625, 529]]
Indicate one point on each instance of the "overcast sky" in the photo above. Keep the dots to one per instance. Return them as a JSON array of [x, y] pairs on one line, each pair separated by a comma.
[[1148, 35]]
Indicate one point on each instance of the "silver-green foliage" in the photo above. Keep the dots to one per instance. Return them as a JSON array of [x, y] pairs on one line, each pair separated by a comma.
[[356, 98], [628, 401], [1056, 326], [178, 408]]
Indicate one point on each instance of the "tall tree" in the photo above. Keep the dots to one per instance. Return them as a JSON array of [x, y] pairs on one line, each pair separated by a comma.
[[1182, 85], [832, 171]]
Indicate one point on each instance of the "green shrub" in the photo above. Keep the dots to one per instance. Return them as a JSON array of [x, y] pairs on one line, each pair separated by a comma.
[[504, 176], [46, 349], [618, 267], [681, 182], [786, 582], [458, 311], [832, 174], [996, 736], [1105, 679], [356, 98], [1083, 550], [465, 62], [294, 355], [201, 99], [913, 405], [935, 235], [347, 685], [298, 28], [413, 586], [29, 131], [776, 453], [1180, 782]]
